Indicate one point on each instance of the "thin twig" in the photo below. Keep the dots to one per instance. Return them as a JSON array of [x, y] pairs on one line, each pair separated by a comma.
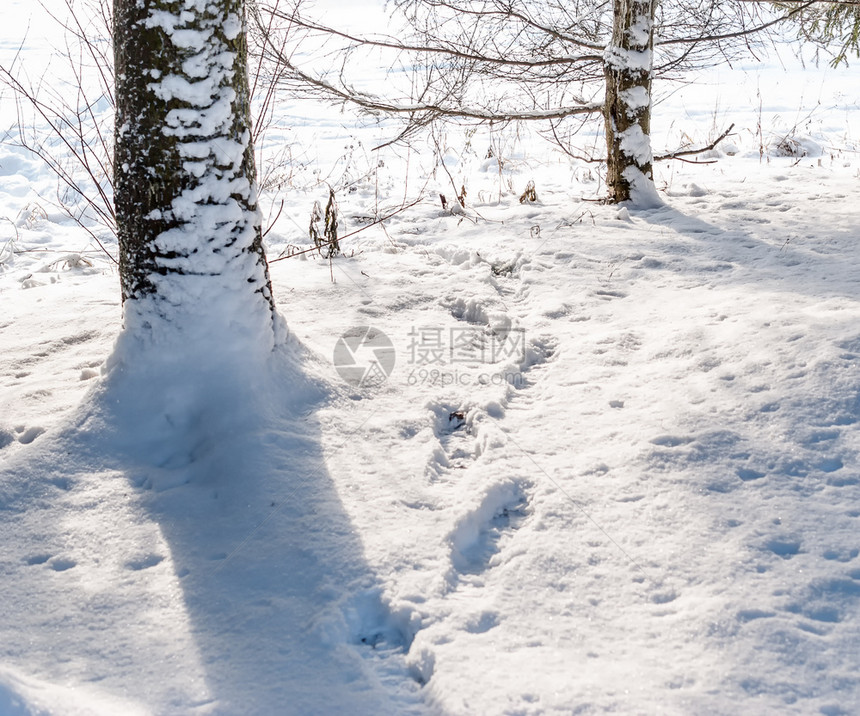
[[687, 152], [349, 235], [272, 222]]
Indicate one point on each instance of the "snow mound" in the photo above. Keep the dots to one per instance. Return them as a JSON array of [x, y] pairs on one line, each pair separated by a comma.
[[22, 695]]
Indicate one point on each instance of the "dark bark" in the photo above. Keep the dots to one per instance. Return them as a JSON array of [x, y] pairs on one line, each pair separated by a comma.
[[627, 109], [152, 167]]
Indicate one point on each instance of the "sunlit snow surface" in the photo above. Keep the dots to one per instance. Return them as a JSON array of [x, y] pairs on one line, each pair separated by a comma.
[[613, 467]]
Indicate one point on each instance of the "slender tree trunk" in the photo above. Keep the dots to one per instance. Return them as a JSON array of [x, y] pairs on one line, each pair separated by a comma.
[[191, 252], [627, 112]]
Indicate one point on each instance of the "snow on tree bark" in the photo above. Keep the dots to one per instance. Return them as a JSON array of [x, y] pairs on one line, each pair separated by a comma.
[[628, 63], [191, 255]]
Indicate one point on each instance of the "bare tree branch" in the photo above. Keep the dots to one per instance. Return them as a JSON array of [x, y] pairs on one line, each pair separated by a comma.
[[688, 152], [467, 53]]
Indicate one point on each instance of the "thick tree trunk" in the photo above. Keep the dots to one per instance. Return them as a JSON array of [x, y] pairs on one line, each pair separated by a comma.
[[191, 252], [627, 112]]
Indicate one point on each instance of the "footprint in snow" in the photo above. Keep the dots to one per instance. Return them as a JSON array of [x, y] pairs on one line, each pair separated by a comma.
[[627, 342], [478, 535], [671, 440], [842, 480], [842, 555], [664, 597], [820, 436], [831, 464], [372, 622], [785, 547], [456, 448], [608, 295], [748, 615], [469, 311], [144, 562], [748, 475], [37, 559], [482, 622], [28, 435], [61, 564], [538, 351]]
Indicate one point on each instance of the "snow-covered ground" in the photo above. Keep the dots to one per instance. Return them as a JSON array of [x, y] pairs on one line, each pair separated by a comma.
[[609, 463]]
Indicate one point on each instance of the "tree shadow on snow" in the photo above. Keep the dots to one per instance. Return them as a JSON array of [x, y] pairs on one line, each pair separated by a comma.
[[187, 550], [782, 262]]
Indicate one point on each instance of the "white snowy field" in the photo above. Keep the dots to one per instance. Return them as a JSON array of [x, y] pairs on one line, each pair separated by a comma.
[[613, 467]]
